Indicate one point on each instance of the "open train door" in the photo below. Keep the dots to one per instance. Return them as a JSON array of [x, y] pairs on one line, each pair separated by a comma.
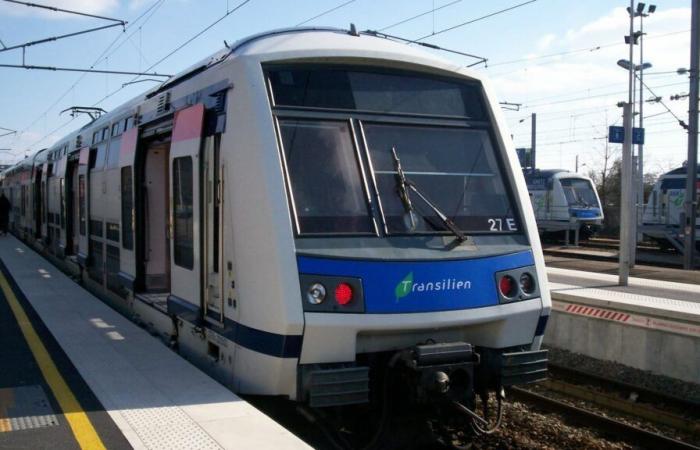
[[184, 226]]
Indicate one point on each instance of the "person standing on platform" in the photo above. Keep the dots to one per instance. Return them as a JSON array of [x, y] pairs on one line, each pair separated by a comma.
[[4, 213]]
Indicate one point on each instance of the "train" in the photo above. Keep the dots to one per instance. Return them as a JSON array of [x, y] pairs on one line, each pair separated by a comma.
[[319, 214], [564, 201], [664, 210]]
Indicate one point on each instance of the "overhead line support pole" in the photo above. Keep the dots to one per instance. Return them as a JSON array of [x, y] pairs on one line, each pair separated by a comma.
[[691, 207], [626, 200]]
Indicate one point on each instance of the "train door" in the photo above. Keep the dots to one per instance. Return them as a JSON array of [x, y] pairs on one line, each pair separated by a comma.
[[37, 202], [71, 211], [155, 212], [83, 204], [212, 225], [44, 230], [185, 212]]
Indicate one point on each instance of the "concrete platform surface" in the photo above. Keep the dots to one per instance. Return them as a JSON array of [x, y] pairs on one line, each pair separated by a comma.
[[661, 298], [157, 399]]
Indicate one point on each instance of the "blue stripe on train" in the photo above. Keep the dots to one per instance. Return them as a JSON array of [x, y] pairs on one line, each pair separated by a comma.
[[421, 286]]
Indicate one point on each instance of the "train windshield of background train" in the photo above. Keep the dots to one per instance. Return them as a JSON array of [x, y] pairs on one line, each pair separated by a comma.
[[564, 202]]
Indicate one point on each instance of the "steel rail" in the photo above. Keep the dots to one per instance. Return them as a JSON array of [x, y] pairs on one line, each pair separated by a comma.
[[627, 433]]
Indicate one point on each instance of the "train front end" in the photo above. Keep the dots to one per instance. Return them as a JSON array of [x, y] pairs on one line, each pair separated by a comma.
[[415, 243], [420, 272]]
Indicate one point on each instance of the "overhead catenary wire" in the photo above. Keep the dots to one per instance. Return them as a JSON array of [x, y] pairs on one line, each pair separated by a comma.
[[335, 8], [73, 69], [68, 11], [495, 13], [430, 11], [152, 66], [153, 8]]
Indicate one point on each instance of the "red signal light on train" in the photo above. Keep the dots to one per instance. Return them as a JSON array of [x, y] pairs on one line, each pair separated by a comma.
[[507, 286], [343, 293]]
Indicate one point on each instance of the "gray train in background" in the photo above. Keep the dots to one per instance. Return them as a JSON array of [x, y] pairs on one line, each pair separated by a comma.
[[664, 210], [564, 202]]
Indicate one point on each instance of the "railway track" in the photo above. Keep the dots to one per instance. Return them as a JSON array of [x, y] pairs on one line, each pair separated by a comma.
[[582, 417], [594, 401]]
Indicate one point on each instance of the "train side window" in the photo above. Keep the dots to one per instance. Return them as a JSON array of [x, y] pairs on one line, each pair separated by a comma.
[[81, 206], [105, 133], [97, 156], [116, 129], [183, 216], [95, 137], [127, 208], [113, 155]]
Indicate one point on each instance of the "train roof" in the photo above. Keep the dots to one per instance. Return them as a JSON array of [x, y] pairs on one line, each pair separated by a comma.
[[270, 43], [681, 171]]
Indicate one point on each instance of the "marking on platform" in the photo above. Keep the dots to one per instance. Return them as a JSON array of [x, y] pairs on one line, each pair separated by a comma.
[[637, 320], [80, 424], [25, 407]]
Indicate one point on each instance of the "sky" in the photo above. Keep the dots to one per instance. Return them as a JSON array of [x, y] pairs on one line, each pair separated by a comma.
[[555, 58]]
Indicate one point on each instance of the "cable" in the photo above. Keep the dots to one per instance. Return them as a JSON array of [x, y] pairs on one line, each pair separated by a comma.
[[155, 4], [52, 8], [445, 30], [325, 12], [433, 10], [680, 122]]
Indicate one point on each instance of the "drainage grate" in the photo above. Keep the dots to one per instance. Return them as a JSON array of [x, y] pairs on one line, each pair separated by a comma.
[[25, 407]]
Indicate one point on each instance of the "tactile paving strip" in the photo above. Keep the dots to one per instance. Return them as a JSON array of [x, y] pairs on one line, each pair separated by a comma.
[[168, 427], [24, 408]]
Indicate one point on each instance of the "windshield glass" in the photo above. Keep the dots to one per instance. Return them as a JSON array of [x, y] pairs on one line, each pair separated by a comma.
[[579, 192], [455, 168], [325, 177]]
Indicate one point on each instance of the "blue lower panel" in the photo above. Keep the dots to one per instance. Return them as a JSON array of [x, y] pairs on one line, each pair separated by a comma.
[[421, 286]]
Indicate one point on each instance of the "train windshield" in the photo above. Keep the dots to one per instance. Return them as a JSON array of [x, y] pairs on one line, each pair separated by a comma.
[[454, 168], [337, 128], [579, 192]]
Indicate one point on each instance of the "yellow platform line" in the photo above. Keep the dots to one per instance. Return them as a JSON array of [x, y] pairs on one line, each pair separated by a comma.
[[80, 424]]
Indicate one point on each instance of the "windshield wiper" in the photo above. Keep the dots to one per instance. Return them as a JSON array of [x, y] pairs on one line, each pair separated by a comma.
[[403, 185]]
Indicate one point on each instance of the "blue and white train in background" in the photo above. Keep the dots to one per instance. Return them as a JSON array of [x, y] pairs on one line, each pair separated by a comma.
[[564, 201], [308, 213], [665, 210]]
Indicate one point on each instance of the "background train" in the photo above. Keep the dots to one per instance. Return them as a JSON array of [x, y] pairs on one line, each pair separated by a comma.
[[564, 201], [306, 214], [665, 210]]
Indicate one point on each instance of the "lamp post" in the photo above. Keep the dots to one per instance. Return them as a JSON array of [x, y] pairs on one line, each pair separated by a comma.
[[637, 199], [640, 146]]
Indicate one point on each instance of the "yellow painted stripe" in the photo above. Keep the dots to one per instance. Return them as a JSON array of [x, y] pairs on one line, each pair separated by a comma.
[[80, 424]]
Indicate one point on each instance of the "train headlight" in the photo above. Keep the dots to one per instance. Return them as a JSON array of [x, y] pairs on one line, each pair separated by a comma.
[[316, 294], [527, 283]]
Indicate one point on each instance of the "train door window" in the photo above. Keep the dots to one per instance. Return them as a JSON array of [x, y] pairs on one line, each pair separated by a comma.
[[63, 203], [82, 205], [183, 215], [127, 208]]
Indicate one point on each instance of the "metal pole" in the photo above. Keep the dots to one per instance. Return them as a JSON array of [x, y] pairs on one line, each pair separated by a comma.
[[533, 140], [640, 146], [626, 206], [691, 181]]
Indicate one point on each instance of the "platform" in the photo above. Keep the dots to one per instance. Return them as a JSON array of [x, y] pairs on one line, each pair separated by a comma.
[[106, 383], [649, 324]]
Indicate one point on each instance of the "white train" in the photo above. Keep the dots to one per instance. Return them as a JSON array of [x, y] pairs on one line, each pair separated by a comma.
[[665, 210], [305, 214], [564, 201]]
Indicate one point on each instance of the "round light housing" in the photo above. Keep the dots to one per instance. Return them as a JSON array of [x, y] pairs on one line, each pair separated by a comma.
[[316, 294], [343, 293], [527, 283], [507, 286]]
